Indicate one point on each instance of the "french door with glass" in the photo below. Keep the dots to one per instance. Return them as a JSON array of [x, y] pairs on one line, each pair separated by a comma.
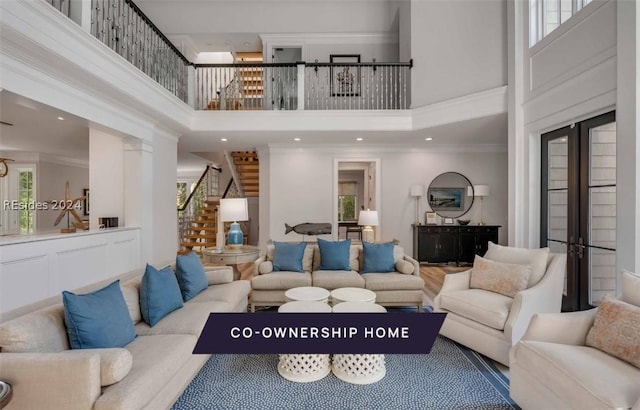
[[578, 206]]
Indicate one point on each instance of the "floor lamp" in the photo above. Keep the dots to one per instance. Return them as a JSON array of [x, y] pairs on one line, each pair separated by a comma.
[[368, 219], [417, 191], [481, 191]]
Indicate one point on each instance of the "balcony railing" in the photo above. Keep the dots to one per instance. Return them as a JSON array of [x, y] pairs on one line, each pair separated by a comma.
[[122, 26], [303, 86]]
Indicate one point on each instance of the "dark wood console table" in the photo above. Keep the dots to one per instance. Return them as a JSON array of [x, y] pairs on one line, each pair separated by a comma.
[[452, 243]]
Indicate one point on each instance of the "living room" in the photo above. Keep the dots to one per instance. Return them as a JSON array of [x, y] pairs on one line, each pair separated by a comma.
[[484, 104]]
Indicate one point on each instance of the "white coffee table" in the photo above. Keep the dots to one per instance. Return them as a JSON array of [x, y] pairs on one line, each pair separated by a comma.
[[352, 295], [359, 368], [308, 294], [303, 368]]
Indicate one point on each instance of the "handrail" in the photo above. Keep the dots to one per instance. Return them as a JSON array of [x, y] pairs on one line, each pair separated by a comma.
[[314, 64], [226, 191], [157, 31], [193, 191]]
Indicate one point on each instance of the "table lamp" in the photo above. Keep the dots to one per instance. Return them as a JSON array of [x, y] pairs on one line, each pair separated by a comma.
[[417, 191], [234, 210], [480, 191], [368, 219]]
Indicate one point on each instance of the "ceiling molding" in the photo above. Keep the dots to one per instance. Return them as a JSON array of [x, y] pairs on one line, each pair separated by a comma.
[[388, 148], [56, 159]]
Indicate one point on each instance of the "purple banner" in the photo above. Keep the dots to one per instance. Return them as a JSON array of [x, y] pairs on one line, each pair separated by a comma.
[[319, 333]]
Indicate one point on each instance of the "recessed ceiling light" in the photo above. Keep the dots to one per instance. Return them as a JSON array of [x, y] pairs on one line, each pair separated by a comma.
[[223, 139], [428, 139], [296, 139], [61, 118], [358, 139], [246, 43]]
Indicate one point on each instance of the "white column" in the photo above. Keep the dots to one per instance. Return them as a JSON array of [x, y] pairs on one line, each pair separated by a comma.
[[628, 134], [163, 198], [191, 87], [106, 177], [138, 192], [301, 86]]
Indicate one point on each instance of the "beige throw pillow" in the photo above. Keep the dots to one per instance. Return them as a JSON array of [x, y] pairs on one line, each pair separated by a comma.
[[405, 267], [265, 267], [504, 278], [536, 258], [631, 288], [616, 330]]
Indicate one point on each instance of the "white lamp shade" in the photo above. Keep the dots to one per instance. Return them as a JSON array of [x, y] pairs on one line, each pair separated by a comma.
[[416, 190], [234, 209], [481, 190], [368, 218]]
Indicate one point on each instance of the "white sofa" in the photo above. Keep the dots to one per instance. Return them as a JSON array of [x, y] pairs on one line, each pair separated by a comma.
[[553, 368], [391, 288], [491, 323], [157, 365]]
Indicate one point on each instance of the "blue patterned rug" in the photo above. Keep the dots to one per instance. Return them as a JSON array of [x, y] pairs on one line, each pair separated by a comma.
[[450, 377]]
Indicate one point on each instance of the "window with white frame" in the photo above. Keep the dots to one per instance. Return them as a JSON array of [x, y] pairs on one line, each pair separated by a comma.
[[347, 200], [547, 15]]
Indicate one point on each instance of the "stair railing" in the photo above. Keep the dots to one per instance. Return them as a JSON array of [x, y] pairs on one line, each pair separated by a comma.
[[207, 186]]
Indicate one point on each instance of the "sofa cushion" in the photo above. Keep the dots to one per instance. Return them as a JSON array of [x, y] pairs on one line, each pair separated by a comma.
[[188, 321], [280, 280], [217, 275], [378, 257], [159, 294], [503, 278], [231, 293], [98, 319], [191, 275], [40, 331], [131, 293], [536, 258], [616, 330], [398, 255], [288, 256], [334, 279], [334, 255], [483, 306], [156, 360], [630, 288], [307, 257], [405, 267], [355, 256], [593, 379], [265, 267], [392, 281]]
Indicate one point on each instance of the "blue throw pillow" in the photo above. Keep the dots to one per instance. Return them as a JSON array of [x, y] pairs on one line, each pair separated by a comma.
[[159, 294], [191, 276], [288, 256], [378, 257], [99, 319], [334, 255]]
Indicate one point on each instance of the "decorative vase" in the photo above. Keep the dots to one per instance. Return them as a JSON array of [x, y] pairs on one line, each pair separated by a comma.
[[235, 238]]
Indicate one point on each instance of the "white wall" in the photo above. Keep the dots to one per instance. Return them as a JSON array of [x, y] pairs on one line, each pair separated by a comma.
[[458, 48], [51, 183], [301, 183], [163, 200]]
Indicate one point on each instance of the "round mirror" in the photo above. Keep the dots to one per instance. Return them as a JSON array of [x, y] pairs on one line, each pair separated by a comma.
[[448, 195]]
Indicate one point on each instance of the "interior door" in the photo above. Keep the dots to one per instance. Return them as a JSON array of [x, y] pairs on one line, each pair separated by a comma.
[[578, 206]]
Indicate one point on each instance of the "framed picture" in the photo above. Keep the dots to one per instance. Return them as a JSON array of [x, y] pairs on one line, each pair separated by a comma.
[[431, 218], [345, 80], [447, 221], [447, 199], [85, 193]]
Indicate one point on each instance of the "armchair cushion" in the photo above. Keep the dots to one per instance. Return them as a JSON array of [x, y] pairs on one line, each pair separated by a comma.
[[631, 288], [503, 278], [536, 258], [616, 330], [489, 308]]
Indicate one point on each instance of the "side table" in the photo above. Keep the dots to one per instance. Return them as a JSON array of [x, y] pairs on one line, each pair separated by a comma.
[[234, 257]]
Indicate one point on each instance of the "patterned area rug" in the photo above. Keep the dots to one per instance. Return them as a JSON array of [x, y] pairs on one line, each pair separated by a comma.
[[450, 377]]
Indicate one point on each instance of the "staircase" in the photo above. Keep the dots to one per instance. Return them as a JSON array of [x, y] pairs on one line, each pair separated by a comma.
[[251, 79], [202, 231], [248, 170]]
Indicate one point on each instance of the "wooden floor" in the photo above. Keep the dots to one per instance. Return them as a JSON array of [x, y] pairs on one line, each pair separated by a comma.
[[434, 278]]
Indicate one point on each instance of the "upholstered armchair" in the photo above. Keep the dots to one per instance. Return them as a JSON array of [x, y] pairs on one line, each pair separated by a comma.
[[490, 322]]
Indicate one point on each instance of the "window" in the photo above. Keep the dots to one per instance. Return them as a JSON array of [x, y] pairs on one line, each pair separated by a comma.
[[347, 200], [26, 199], [547, 15]]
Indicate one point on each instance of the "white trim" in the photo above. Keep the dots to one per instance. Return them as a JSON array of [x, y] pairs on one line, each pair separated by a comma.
[[383, 148], [332, 38], [55, 159]]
